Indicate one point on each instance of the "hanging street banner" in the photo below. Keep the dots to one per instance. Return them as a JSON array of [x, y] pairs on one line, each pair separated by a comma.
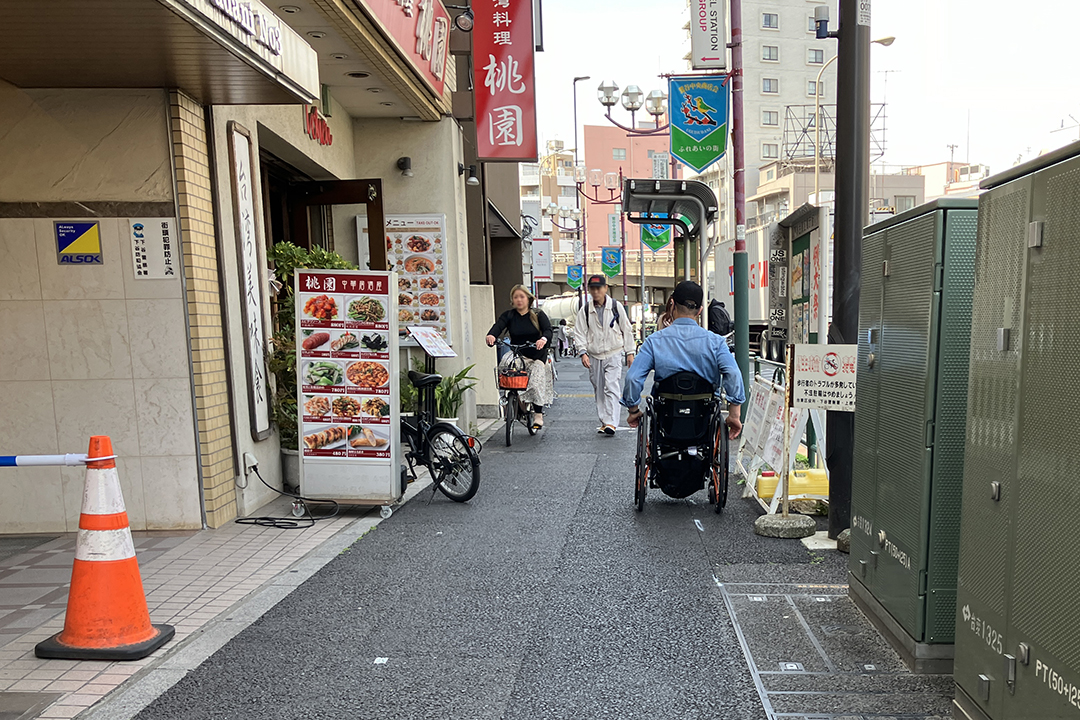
[[699, 125], [656, 237], [611, 261], [504, 80], [613, 228], [573, 276], [541, 254], [708, 35]]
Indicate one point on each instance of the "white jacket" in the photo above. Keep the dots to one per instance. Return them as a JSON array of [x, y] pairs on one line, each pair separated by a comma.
[[604, 339]]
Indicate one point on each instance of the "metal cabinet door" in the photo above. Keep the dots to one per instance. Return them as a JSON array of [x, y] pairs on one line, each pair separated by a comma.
[[910, 314], [991, 446], [1044, 606], [864, 480]]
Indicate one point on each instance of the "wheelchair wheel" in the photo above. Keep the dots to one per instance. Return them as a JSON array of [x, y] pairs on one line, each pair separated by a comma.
[[718, 490], [641, 464]]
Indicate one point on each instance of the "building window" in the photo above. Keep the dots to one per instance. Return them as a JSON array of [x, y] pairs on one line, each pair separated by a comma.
[[568, 192], [816, 57], [770, 85], [618, 153], [770, 151], [771, 174], [811, 26], [770, 117], [770, 21], [815, 88], [904, 203], [770, 53]]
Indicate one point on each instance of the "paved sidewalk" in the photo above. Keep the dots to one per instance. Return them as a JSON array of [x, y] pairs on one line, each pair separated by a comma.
[[190, 578]]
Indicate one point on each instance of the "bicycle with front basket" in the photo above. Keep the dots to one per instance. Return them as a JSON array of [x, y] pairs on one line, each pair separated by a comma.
[[514, 380], [451, 456]]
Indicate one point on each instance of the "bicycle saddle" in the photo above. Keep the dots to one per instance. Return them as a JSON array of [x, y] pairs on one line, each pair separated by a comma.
[[421, 380]]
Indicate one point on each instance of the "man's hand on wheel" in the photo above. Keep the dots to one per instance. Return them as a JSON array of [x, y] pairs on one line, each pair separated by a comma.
[[585, 361], [734, 422], [634, 418], [490, 339]]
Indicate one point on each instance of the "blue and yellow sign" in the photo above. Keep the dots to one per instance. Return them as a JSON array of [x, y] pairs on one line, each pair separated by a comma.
[[78, 243], [611, 261], [699, 119]]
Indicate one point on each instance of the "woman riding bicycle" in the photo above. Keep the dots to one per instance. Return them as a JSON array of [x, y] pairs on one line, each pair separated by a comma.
[[526, 325]]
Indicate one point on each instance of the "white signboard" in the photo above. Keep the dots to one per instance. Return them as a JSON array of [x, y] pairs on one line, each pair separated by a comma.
[[774, 446], [431, 341], [541, 253], [154, 248], [764, 399], [824, 377], [613, 229], [864, 13], [252, 281], [661, 167], [708, 35], [416, 248], [347, 384], [579, 252]]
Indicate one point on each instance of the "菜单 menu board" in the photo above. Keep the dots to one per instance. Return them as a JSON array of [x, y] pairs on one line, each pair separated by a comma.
[[345, 364]]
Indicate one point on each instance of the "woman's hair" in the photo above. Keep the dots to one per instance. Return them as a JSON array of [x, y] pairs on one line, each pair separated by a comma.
[[532, 313]]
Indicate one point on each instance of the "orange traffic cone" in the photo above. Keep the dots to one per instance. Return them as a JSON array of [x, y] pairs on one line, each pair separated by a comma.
[[107, 617]]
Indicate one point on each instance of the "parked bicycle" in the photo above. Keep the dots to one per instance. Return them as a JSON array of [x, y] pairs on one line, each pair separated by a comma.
[[514, 380], [451, 456]]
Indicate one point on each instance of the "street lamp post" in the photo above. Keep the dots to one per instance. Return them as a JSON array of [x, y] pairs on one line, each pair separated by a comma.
[[583, 235]]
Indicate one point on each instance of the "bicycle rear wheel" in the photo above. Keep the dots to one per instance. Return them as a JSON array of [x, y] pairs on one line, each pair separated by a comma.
[[454, 465]]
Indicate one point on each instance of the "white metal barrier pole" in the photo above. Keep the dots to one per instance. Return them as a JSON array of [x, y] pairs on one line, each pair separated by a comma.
[[70, 460]]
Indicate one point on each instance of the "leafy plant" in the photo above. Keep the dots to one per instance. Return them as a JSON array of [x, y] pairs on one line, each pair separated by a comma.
[[450, 393], [281, 359]]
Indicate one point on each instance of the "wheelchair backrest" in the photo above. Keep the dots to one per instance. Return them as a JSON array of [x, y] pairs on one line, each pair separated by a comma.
[[684, 404]]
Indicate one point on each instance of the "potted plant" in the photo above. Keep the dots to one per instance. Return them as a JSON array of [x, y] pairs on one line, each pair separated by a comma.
[[450, 394], [281, 358]]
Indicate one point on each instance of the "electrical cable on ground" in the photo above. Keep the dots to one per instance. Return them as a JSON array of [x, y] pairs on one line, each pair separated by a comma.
[[289, 523]]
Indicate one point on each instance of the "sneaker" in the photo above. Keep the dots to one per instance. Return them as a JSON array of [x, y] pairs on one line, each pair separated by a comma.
[[600, 430], [609, 429]]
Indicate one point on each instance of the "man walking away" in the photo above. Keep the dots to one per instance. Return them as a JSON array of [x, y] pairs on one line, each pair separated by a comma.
[[603, 336]]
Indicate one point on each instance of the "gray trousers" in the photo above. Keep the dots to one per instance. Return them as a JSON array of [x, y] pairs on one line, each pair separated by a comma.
[[606, 376]]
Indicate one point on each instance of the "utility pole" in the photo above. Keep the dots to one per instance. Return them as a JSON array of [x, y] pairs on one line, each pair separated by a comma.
[[741, 269], [852, 203]]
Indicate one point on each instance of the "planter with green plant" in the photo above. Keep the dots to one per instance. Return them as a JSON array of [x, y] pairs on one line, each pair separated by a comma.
[[281, 359], [450, 394]]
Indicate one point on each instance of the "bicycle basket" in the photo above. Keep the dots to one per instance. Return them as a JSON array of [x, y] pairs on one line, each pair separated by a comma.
[[513, 379]]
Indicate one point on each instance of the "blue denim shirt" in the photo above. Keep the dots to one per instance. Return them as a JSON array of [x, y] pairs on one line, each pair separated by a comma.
[[684, 346]]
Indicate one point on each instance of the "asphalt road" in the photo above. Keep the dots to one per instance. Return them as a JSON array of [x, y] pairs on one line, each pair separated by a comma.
[[547, 596]]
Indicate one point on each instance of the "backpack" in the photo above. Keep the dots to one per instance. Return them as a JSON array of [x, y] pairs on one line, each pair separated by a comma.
[[614, 314], [719, 320]]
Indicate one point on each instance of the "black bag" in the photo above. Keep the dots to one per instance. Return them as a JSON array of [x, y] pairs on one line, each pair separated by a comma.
[[719, 320]]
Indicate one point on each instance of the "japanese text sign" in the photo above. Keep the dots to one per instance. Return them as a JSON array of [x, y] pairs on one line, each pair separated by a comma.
[[824, 377], [421, 31], [699, 119], [573, 276], [504, 80], [611, 261]]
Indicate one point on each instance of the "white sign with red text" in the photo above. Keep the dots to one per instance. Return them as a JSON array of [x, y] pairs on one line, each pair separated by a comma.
[[708, 35], [504, 80], [824, 377]]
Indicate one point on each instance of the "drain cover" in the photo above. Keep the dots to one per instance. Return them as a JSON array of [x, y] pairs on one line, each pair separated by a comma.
[[792, 667]]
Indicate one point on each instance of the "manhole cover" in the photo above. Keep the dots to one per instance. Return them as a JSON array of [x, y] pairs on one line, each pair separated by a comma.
[[24, 705]]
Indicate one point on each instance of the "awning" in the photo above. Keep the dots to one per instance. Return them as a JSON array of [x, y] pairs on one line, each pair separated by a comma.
[[499, 226], [690, 202], [252, 58]]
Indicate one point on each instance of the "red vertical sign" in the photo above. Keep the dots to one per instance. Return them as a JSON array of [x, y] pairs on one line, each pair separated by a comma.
[[504, 80]]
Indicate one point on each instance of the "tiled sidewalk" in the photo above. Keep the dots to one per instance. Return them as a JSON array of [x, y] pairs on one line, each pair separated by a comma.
[[189, 578]]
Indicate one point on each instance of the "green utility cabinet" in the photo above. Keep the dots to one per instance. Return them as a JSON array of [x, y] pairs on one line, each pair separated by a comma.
[[914, 328], [1018, 591]]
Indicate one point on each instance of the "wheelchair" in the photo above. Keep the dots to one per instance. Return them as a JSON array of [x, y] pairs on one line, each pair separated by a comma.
[[682, 442]]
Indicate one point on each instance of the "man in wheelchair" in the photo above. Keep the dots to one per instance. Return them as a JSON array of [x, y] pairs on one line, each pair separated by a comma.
[[681, 443]]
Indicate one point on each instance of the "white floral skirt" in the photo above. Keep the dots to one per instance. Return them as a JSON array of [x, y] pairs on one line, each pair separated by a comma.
[[541, 390]]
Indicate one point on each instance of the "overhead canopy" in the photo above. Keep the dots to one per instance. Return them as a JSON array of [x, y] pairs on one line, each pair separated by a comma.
[[691, 202], [499, 225], [186, 44]]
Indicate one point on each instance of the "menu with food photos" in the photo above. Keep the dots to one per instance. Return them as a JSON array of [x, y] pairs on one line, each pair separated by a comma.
[[346, 362], [416, 250]]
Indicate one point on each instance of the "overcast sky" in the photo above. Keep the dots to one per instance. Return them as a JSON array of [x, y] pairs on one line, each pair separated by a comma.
[[1011, 64]]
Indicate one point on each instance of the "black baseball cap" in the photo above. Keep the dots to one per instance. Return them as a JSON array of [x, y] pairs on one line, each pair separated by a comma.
[[688, 294], [597, 281]]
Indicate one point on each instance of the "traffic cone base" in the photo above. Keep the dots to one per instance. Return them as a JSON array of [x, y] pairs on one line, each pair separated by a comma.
[[107, 616]]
